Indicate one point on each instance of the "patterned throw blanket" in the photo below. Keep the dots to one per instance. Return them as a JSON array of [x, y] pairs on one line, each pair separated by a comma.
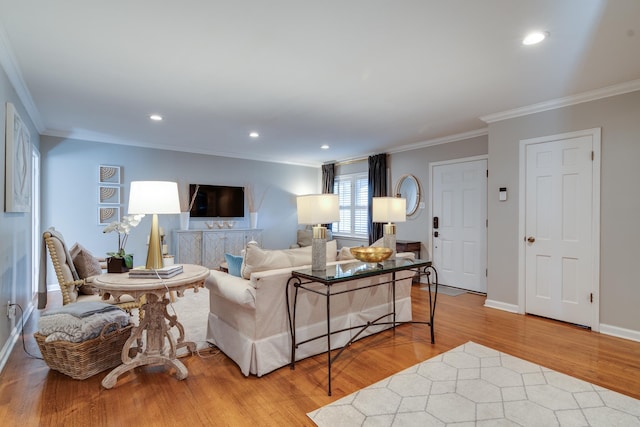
[[80, 321]]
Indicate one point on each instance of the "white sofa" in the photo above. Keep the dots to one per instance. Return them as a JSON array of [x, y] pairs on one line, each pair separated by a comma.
[[248, 317]]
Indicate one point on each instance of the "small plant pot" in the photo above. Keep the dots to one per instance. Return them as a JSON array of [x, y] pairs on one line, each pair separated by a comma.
[[116, 265]]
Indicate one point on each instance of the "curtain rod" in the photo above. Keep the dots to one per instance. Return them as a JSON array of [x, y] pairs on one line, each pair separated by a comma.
[[348, 162]]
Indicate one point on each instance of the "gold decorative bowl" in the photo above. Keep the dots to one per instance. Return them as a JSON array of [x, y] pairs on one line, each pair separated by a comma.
[[371, 254]]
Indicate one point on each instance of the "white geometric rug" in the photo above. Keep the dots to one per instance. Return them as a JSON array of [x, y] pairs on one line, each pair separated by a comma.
[[473, 385]]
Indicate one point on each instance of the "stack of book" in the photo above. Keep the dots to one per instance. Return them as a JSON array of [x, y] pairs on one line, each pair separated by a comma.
[[150, 273]]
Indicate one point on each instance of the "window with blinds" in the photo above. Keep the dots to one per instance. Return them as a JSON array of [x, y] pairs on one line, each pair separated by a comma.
[[352, 191]]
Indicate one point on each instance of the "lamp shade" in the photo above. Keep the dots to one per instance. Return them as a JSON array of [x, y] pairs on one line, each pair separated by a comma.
[[318, 209], [389, 209], [154, 197]]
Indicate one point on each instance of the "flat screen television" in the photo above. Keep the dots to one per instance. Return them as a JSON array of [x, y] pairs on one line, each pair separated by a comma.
[[217, 201]]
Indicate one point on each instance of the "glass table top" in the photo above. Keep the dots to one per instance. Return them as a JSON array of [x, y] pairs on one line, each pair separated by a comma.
[[356, 269]]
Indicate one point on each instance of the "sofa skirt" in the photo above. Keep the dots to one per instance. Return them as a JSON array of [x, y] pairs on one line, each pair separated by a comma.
[[259, 356]]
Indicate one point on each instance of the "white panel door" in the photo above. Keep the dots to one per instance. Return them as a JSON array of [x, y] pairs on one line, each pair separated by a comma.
[[460, 240], [558, 247]]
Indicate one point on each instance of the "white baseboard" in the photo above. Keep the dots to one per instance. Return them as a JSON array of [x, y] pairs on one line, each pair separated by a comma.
[[13, 338], [616, 331], [512, 308]]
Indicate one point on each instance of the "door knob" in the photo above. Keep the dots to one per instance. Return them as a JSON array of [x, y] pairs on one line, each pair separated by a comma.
[[531, 239]]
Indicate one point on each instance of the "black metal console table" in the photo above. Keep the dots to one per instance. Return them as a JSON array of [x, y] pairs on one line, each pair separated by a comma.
[[321, 283]]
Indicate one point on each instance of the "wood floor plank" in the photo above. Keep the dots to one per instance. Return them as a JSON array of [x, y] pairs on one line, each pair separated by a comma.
[[217, 394]]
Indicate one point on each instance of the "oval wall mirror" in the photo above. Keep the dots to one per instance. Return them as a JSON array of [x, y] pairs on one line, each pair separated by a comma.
[[408, 188]]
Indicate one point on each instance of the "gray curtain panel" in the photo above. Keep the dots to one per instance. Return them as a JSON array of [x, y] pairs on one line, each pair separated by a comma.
[[377, 188], [328, 178]]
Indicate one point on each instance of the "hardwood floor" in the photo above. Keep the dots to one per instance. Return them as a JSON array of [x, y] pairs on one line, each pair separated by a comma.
[[216, 393]]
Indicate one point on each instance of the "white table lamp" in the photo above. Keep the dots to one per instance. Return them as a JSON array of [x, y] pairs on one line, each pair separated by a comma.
[[389, 210], [316, 210], [154, 197]]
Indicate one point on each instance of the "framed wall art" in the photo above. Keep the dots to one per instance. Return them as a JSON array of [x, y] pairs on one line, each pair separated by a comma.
[[107, 214], [17, 163], [108, 195], [108, 174]]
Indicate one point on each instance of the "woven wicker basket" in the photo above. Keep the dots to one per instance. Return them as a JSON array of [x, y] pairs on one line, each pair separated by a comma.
[[84, 359]]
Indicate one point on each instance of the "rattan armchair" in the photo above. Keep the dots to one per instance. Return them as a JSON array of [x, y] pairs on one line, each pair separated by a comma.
[[68, 278]]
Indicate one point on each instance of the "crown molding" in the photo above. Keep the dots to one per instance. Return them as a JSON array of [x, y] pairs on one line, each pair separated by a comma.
[[592, 95], [442, 140], [9, 63]]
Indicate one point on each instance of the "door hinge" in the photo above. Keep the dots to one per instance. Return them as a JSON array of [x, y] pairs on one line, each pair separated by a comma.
[[593, 155], [591, 297], [486, 272], [486, 223], [487, 173]]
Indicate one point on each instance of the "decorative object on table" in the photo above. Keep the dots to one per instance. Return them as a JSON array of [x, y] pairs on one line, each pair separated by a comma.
[[371, 254], [154, 197], [208, 224], [17, 163], [253, 205], [166, 272], [389, 210], [316, 210], [120, 261], [408, 188], [229, 224], [167, 260], [185, 209]]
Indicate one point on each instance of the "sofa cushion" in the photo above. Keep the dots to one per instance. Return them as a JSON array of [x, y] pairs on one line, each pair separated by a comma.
[[86, 265], [305, 237], [258, 259], [234, 264]]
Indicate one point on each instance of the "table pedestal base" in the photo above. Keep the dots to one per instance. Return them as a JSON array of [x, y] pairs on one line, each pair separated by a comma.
[[156, 323]]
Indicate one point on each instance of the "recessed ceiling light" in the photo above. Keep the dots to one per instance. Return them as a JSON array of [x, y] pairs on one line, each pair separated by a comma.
[[534, 37], [254, 134], [156, 117], [324, 146]]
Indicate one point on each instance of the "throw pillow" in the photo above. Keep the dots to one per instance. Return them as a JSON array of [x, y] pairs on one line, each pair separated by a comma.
[[234, 262], [86, 265]]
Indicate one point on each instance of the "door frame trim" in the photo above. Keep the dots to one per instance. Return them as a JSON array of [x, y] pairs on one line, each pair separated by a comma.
[[429, 243], [595, 134]]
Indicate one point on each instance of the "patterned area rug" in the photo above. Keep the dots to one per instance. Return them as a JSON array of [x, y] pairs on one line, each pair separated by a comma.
[[473, 385]]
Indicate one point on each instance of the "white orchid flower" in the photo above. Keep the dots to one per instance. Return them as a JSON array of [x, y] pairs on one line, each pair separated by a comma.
[[111, 227]]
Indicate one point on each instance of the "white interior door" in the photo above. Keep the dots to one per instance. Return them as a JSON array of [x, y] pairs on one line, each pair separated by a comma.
[[459, 202], [559, 241]]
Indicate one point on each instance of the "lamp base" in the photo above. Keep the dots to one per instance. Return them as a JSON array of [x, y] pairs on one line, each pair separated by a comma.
[[154, 252], [389, 239], [319, 249]]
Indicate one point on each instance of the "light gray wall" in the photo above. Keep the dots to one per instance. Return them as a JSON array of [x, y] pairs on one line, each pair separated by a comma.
[[619, 118], [15, 232], [70, 182], [416, 162]]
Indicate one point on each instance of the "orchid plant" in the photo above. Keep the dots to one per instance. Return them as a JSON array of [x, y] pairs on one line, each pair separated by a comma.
[[123, 228]]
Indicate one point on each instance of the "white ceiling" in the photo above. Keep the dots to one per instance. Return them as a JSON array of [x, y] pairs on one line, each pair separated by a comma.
[[364, 76]]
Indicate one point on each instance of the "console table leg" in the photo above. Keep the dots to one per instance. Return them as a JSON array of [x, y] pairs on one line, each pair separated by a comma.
[[328, 341]]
